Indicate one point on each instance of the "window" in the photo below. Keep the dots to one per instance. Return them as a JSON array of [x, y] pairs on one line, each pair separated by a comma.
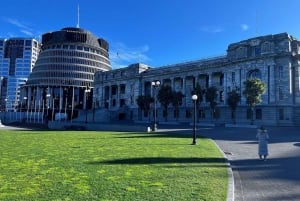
[[248, 114], [201, 114], [266, 47], [122, 88], [221, 79], [257, 51], [258, 114], [280, 72], [216, 113], [254, 74], [165, 112], [233, 77], [145, 113], [131, 99], [176, 113], [188, 114], [232, 115], [241, 52], [281, 114], [280, 93], [114, 90], [28, 43], [122, 102]]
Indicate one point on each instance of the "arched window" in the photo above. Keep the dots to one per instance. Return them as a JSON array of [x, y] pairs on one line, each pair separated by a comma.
[[254, 74]]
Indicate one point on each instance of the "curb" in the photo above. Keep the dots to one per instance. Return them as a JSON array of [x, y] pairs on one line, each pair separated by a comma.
[[230, 190]]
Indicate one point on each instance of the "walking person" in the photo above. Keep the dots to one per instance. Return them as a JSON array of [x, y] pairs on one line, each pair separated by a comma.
[[262, 136]]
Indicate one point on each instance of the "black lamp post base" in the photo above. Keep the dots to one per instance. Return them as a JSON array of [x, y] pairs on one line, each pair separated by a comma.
[[154, 127]]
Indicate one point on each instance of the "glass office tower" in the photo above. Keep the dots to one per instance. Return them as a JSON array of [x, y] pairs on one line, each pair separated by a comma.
[[17, 59]]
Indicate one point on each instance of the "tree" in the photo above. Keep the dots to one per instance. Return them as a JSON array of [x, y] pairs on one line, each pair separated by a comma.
[[177, 101], [233, 99], [254, 88], [164, 96], [199, 92], [210, 96], [144, 103]]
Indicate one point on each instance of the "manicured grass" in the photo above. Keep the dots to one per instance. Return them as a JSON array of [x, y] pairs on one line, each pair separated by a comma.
[[91, 165]]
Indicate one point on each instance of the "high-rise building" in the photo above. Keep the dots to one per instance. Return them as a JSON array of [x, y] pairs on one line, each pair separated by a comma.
[[17, 59]]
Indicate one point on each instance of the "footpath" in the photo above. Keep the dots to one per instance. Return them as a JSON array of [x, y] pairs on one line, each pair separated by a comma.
[[277, 179]]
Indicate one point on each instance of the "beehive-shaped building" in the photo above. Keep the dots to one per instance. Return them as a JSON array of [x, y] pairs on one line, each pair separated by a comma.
[[63, 76]]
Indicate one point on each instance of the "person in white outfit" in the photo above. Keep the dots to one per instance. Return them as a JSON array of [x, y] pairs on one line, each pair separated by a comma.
[[262, 136]]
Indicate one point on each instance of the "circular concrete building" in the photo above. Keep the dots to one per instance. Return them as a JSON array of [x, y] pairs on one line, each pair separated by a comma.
[[63, 76]]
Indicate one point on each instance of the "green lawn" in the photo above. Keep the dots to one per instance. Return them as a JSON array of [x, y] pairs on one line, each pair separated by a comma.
[[91, 165]]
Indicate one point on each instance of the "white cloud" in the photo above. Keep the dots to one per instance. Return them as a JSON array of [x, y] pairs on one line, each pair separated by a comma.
[[23, 27], [28, 33], [122, 56], [244, 27], [212, 29]]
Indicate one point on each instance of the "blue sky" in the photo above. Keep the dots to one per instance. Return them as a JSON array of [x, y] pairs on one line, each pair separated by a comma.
[[155, 32]]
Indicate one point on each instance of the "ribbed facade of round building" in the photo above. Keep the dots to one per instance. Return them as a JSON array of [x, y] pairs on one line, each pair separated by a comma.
[[63, 76]]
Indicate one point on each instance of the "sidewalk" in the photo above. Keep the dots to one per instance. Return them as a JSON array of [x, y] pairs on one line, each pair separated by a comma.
[[278, 178]]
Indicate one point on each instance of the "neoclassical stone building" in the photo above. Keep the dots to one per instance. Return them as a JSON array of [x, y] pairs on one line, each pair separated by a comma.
[[272, 58]]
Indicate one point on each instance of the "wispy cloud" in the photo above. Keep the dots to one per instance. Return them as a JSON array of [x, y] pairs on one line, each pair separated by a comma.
[[212, 29], [244, 27], [22, 26], [121, 55]]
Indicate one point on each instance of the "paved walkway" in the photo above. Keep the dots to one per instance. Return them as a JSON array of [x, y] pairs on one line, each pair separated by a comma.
[[278, 178]]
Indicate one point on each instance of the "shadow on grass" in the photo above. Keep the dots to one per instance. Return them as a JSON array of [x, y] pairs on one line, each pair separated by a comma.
[[159, 135], [158, 160]]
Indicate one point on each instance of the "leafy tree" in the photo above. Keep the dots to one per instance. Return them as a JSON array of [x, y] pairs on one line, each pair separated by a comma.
[[177, 100], [254, 88], [199, 92], [144, 103], [210, 96], [164, 96], [233, 99]]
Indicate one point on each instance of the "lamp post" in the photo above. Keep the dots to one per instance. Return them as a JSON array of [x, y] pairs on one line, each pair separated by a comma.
[[94, 105], [194, 98], [155, 84], [5, 108], [86, 99], [26, 107], [47, 105]]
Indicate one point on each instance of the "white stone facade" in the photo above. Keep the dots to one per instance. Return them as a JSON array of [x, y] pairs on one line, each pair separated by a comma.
[[272, 58]]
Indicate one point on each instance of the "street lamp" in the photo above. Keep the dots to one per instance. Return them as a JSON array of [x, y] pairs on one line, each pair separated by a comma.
[[48, 105], [26, 107], [5, 108], [155, 84], [194, 98], [94, 105], [86, 99]]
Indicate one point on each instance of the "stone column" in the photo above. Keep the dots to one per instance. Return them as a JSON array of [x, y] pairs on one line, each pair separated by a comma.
[[29, 97]]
